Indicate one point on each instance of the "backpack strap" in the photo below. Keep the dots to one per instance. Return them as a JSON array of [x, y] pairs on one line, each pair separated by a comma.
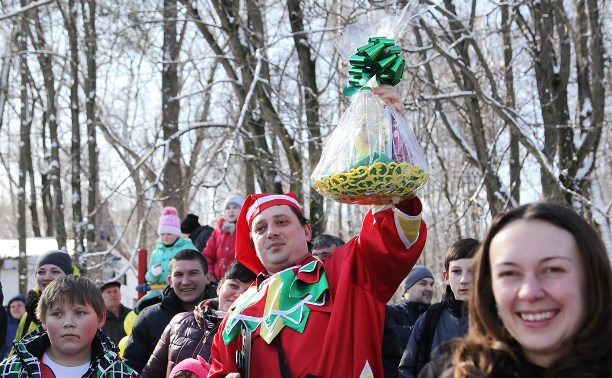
[[432, 317]]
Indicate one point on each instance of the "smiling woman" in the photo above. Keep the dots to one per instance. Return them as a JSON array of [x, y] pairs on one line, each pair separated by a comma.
[[541, 269], [50, 266]]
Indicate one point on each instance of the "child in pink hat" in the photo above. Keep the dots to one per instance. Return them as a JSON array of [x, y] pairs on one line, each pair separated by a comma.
[[190, 368], [169, 243]]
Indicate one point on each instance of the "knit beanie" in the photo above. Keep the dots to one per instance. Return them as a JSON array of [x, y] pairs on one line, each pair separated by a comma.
[[234, 199], [169, 222], [60, 259], [190, 224], [198, 366], [417, 273]]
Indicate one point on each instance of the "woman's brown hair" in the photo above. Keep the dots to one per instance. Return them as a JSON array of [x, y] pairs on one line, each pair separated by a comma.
[[488, 341]]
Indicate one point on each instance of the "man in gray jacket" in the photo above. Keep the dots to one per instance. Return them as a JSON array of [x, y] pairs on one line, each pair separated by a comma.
[[445, 320]]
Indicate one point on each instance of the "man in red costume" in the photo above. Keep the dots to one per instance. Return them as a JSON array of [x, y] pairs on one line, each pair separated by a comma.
[[307, 318]]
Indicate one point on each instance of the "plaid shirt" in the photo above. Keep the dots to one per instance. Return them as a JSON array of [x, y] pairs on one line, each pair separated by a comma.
[[25, 362]]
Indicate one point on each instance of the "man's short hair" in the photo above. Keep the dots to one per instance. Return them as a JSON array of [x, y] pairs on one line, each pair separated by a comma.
[[71, 290], [461, 249], [190, 255], [303, 220], [237, 271], [326, 241]]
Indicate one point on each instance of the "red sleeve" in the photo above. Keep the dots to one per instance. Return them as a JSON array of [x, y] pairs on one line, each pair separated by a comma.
[[391, 240]]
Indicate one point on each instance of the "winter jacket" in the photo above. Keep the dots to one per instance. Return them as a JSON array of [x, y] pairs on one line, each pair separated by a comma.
[[453, 322], [391, 350], [188, 335], [402, 317], [11, 327], [508, 367], [220, 250], [163, 254], [113, 326], [149, 327], [105, 361], [29, 322], [200, 236]]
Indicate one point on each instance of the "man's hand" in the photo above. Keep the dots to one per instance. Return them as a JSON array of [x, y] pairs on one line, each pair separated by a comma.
[[388, 93]]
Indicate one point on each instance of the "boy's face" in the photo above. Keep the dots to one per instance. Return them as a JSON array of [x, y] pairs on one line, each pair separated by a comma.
[[71, 329], [459, 277]]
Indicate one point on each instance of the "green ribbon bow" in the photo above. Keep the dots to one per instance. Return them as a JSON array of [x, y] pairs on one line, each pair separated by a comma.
[[380, 57]]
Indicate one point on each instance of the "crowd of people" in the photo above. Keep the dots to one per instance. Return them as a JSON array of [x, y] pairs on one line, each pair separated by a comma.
[[531, 300], [261, 296]]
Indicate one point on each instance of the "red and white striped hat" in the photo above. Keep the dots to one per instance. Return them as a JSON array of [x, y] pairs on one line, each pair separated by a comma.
[[253, 205]]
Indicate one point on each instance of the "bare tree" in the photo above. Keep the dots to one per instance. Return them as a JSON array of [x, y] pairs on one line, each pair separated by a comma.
[[171, 107], [308, 75], [45, 61], [88, 10], [25, 156], [70, 16]]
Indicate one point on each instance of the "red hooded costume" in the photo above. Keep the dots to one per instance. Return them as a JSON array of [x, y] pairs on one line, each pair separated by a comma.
[[328, 316]]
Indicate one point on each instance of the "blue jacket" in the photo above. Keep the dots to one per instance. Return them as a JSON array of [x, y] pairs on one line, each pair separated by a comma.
[[11, 327], [453, 323]]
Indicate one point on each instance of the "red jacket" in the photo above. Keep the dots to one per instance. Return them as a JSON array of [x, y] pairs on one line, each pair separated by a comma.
[[342, 337], [220, 250]]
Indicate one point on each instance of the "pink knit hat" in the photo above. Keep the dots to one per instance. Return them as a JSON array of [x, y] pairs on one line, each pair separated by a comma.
[[199, 366], [169, 222]]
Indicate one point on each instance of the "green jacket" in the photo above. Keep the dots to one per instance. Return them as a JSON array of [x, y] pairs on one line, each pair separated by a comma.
[[163, 254], [105, 361]]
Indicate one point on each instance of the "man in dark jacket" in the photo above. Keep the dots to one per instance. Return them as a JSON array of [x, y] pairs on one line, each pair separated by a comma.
[[115, 311], [190, 334], [191, 228], [418, 291], [188, 280]]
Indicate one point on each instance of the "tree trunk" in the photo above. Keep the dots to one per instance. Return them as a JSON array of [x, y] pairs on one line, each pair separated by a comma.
[[172, 176], [515, 156], [54, 168], [308, 74], [25, 155], [88, 9], [78, 226]]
